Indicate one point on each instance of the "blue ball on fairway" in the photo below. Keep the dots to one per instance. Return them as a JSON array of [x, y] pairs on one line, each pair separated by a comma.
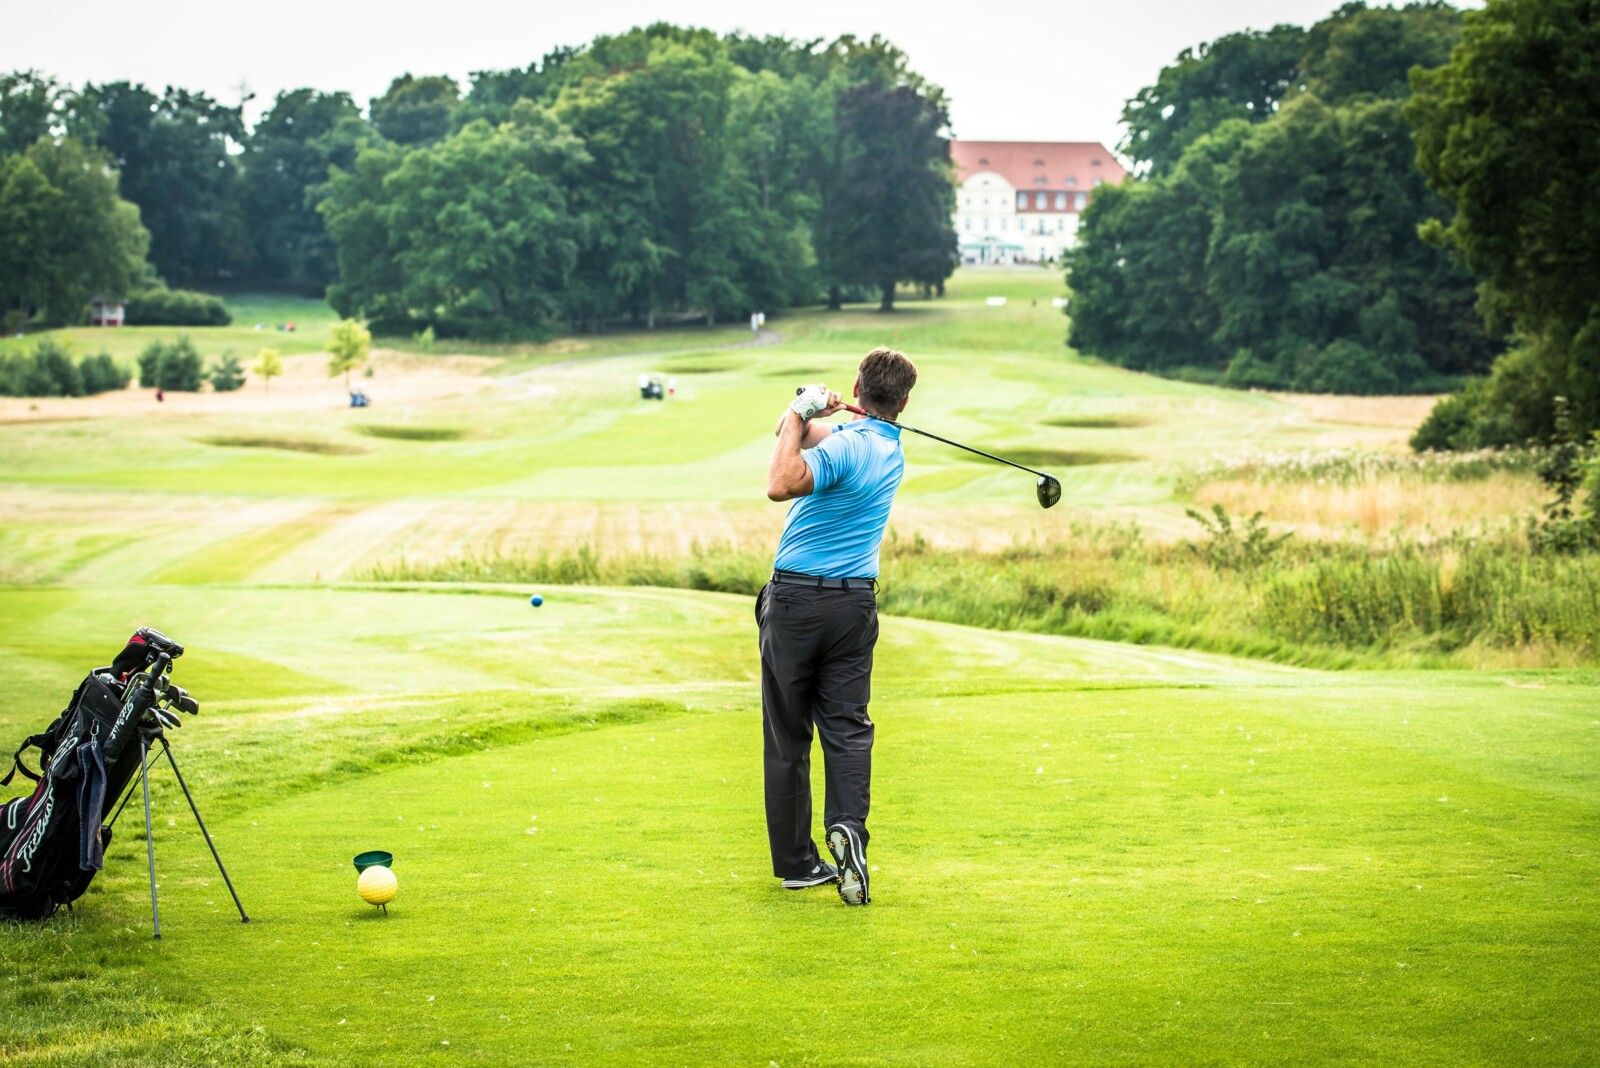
[[536, 600]]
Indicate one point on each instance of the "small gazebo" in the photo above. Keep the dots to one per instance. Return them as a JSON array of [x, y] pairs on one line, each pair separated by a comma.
[[105, 311]]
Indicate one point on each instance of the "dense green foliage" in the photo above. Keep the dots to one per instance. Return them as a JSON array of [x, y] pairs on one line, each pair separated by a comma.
[[891, 195], [174, 307], [172, 152], [286, 163], [67, 233], [1274, 243], [474, 234], [664, 171], [173, 366], [48, 370], [661, 172], [1509, 134], [416, 111], [227, 374]]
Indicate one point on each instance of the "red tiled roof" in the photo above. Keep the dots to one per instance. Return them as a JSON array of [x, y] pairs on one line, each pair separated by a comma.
[[1022, 163]]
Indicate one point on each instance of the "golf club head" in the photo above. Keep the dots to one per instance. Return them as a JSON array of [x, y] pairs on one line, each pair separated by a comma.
[[1049, 491]]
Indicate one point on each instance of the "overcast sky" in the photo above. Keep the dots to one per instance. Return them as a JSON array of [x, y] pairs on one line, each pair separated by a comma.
[[1048, 71]]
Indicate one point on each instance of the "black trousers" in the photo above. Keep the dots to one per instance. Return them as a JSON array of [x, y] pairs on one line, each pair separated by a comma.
[[816, 672]]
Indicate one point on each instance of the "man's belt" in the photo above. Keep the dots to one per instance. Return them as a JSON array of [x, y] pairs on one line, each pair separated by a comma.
[[795, 578]]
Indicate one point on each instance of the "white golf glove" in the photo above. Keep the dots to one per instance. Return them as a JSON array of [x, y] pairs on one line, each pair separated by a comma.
[[810, 401]]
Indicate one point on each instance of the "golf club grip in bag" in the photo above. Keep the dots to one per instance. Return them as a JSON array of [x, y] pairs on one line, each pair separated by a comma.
[[52, 841]]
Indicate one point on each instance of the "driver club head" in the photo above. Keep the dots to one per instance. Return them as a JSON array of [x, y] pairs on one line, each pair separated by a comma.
[[1049, 491]]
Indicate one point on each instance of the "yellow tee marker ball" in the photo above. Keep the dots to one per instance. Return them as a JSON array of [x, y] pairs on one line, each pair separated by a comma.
[[377, 885]]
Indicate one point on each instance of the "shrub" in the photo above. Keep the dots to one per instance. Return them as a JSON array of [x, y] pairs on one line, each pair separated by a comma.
[[173, 366], [56, 367], [1568, 467], [175, 307], [227, 375], [102, 374], [49, 371], [1227, 546]]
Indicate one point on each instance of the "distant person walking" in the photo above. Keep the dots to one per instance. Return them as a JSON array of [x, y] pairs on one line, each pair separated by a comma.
[[818, 620]]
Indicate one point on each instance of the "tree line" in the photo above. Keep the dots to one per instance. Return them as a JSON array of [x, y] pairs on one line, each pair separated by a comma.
[[661, 172], [1393, 200], [1270, 236]]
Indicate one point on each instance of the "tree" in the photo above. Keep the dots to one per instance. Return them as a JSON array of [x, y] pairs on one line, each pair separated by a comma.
[[1360, 51], [286, 169], [227, 375], [173, 366], [1508, 132], [349, 345], [1282, 251], [472, 235], [269, 365], [67, 233], [173, 154], [892, 193], [30, 106], [1239, 76], [416, 111]]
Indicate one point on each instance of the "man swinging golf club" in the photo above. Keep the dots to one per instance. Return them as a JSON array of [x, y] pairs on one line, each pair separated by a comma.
[[818, 619]]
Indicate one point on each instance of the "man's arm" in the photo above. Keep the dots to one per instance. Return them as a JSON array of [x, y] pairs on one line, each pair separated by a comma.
[[815, 433], [788, 476]]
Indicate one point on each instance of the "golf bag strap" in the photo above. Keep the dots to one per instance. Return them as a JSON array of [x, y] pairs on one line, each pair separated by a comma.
[[16, 760]]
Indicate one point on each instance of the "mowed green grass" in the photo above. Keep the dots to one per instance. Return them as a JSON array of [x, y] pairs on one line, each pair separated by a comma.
[[1083, 853], [558, 430], [312, 320], [1086, 853]]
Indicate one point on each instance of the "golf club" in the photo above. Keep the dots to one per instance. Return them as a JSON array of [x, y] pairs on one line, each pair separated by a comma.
[[1047, 487]]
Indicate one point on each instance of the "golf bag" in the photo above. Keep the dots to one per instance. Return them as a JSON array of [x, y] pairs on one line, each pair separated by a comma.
[[52, 841]]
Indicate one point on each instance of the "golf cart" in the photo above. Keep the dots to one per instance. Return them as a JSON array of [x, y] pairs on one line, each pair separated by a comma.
[[652, 387]]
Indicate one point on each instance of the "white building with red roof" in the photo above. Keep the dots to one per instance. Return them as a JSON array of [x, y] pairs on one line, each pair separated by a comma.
[[1019, 201]]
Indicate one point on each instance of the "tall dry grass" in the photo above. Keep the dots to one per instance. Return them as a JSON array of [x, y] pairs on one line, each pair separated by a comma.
[[1460, 601]]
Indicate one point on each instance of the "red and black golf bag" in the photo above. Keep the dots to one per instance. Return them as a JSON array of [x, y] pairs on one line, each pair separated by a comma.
[[52, 841]]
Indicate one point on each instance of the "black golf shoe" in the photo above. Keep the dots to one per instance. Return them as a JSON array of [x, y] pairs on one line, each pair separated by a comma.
[[851, 856], [820, 875]]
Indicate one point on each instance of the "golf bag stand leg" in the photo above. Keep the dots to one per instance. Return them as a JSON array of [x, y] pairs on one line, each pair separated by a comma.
[[149, 835], [167, 749]]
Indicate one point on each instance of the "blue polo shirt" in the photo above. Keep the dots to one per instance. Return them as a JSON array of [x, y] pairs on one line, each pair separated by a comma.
[[836, 530]]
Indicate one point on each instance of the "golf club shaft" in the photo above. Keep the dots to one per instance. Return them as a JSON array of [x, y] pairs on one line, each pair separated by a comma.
[[947, 441]]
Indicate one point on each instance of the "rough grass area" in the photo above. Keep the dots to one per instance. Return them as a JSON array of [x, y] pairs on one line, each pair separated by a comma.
[[1083, 853], [249, 441], [1470, 601]]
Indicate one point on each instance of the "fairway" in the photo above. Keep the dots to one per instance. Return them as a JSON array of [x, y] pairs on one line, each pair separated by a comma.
[[1084, 852]]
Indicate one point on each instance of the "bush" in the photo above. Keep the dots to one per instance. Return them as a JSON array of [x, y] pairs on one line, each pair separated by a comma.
[[102, 374], [227, 375], [173, 366], [49, 371], [175, 307]]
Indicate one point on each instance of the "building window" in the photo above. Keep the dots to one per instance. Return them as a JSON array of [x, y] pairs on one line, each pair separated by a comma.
[[1097, 181], [1039, 200], [1072, 181], [1041, 181], [1061, 202], [1079, 200], [1022, 200]]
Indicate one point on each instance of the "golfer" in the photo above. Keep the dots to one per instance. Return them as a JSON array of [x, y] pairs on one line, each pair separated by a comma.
[[818, 619]]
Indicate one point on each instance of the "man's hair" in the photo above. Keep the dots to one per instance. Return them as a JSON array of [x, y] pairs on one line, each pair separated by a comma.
[[886, 378]]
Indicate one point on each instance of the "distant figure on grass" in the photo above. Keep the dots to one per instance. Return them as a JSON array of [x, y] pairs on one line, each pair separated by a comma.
[[818, 619]]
